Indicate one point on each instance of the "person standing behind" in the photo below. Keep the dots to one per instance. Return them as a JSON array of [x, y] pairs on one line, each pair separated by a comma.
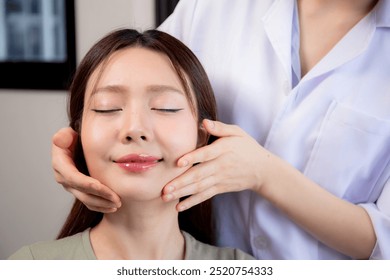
[[304, 169]]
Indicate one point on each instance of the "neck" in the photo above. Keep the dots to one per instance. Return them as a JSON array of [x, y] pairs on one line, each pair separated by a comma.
[[139, 230], [347, 6], [323, 23]]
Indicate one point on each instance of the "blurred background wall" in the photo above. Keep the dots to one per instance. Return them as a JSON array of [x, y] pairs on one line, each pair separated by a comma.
[[32, 205]]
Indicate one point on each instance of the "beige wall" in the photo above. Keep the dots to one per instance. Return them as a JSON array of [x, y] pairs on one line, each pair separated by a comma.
[[32, 205]]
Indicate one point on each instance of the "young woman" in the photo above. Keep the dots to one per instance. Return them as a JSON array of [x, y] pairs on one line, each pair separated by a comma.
[[137, 102]]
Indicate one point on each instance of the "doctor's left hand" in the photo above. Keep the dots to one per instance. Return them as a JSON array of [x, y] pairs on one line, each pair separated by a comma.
[[234, 162]]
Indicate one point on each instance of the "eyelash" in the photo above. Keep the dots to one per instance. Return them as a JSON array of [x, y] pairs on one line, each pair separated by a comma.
[[106, 111], [166, 110], [153, 109]]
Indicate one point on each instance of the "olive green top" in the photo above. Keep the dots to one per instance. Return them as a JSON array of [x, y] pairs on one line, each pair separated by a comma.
[[78, 247]]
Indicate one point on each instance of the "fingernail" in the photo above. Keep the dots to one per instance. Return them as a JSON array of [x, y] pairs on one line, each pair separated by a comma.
[[115, 204], [182, 208], [210, 123], [183, 163], [169, 189]]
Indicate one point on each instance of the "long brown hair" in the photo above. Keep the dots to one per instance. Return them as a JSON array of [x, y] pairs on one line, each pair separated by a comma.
[[196, 220]]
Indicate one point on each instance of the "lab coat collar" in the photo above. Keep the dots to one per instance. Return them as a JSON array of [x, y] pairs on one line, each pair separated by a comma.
[[276, 21], [349, 47], [278, 25]]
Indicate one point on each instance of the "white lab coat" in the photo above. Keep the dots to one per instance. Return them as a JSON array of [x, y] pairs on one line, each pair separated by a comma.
[[333, 124]]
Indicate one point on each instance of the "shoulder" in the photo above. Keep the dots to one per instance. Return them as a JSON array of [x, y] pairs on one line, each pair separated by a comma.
[[196, 14], [75, 247], [196, 250]]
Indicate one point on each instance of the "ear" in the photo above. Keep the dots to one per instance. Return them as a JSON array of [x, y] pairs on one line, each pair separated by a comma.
[[203, 137]]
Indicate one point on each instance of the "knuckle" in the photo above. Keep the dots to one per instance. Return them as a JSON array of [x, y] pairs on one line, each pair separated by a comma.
[[212, 191], [207, 153], [70, 178], [197, 177], [91, 185], [204, 196], [80, 196]]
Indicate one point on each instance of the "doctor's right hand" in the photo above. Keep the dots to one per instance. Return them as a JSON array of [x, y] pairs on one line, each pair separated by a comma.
[[92, 193]]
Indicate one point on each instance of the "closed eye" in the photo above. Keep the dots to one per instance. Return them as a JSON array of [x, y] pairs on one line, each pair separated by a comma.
[[106, 111], [166, 110]]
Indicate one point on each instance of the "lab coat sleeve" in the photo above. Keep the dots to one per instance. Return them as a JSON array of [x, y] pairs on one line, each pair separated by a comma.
[[379, 213]]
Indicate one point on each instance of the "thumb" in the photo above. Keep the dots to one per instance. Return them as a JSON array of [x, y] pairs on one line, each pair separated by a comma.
[[221, 129], [65, 138]]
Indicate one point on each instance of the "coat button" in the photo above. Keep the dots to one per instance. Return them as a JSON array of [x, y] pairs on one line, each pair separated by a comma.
[[261, 242]]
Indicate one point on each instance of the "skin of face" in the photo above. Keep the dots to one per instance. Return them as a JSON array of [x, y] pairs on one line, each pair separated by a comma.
[[136, 124]]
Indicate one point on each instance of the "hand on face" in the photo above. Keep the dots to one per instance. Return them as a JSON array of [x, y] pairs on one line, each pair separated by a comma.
[[96, 196], [229, 164]]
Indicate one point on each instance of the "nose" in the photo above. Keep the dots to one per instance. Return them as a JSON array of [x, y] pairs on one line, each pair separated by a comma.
[[135, 128]]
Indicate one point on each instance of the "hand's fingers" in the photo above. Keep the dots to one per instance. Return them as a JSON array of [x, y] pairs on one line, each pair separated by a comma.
[[193, 175], [94, 203], [202, 154], [195, 199], [65, 138], [62, 150], [221, 129], [198, 188], [67, 174], [215, 149], [89, 186], [89, 191]]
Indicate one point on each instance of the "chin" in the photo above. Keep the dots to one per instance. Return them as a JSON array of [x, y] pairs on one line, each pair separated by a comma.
[[136, 191], [141, 187], [138, 195]]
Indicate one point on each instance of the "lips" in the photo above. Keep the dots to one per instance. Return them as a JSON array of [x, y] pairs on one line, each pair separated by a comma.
[[137, 163]]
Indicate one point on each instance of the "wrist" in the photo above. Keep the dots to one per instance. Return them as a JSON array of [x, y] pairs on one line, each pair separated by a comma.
[[266, 170], [275, 173]]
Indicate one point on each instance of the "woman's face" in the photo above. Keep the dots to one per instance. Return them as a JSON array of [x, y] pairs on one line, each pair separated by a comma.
[[137, 123]]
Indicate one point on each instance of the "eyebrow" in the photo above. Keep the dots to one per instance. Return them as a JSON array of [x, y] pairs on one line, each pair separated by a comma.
[[163, 88], [166, 88], [110, 88]]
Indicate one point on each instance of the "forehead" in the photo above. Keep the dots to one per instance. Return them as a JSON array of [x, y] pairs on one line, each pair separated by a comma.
[[138, 67]]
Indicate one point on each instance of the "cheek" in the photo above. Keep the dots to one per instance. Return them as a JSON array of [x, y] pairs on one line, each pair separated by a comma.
[[182, 137], [95, 143]]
